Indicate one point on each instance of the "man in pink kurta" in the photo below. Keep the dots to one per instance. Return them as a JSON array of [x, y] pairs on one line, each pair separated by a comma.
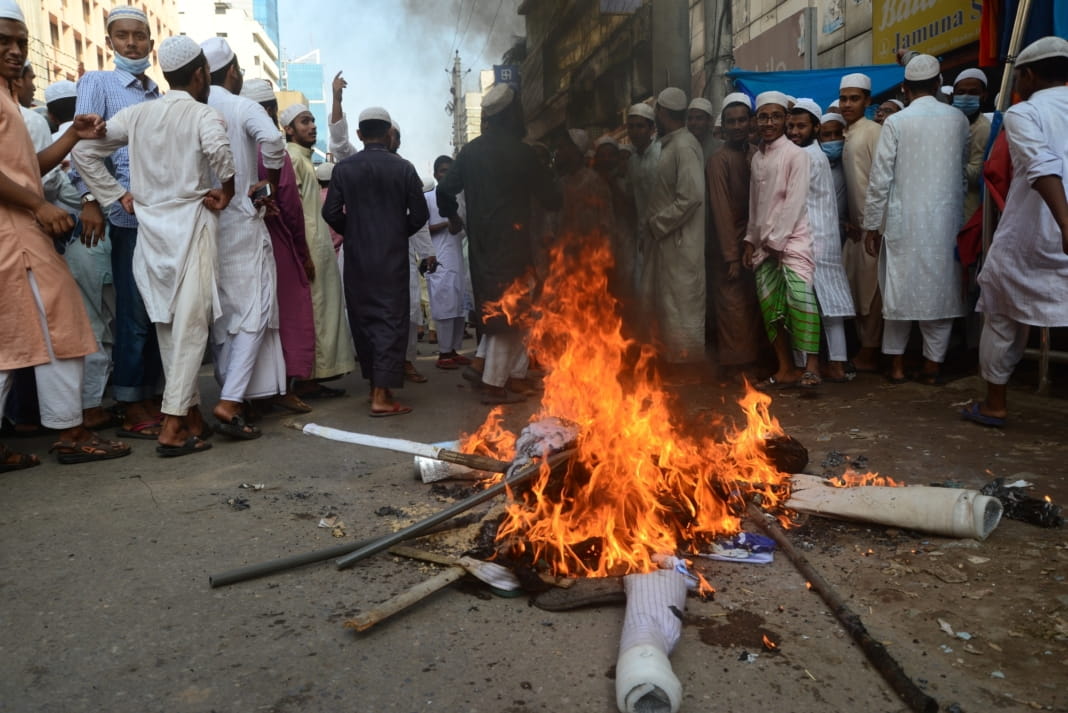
[[43, 323]]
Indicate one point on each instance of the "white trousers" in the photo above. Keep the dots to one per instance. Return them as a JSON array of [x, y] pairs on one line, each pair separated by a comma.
[[450, 334], [834, 329], [59, 381], [935, 337], [1001, 347], [183, 340], [506, 357]]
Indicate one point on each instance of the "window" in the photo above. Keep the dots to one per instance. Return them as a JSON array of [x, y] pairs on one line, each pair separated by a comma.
[[55, 34]]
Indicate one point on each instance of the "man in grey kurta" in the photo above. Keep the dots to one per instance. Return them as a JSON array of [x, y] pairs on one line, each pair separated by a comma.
[[673, 238], [917, 185], [641, 169]]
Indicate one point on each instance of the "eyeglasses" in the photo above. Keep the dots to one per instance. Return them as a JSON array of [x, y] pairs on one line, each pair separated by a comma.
[[769, 118]]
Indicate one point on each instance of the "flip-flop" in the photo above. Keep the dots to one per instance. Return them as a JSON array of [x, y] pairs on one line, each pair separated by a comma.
[[138, 430], [972, 413], [396, 410], [193, 444], [772, 383], [236, 429]]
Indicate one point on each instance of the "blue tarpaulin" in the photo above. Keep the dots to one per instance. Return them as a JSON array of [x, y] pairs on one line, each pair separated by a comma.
[[820, 85]]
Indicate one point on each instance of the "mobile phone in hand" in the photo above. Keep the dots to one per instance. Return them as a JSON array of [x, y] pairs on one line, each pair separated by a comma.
[[261, 193]]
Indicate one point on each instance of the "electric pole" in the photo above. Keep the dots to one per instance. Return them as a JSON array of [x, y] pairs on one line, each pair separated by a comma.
[[459, 107]]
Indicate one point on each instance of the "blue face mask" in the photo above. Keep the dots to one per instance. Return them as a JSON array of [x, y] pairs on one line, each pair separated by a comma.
[[968, 103], [133, 66], [833, 149]]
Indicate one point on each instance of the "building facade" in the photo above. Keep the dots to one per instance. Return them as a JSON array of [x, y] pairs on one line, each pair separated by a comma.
[[235, 21]]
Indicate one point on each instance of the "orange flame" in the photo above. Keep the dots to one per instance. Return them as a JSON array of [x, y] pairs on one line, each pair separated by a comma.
[[638, 485], [768, 643], [849, 479]]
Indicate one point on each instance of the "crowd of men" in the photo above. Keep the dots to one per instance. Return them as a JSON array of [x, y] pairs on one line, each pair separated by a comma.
[[141, 229]]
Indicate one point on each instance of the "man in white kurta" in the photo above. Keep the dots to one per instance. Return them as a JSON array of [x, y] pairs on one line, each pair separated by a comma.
[[861, 136], [917, 189], [641, 172], [446, 282], [1024, 279], [673, 236], [246, 345], [178, 148]]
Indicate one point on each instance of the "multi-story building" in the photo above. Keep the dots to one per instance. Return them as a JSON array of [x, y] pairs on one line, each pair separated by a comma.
[[305, 75], [236, 20], [67, 36], [473, 105]]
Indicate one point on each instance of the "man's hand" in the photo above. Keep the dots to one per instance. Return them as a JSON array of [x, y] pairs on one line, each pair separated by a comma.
[[88, 126], [309, 269], [872, 242], [338, 86], [747, 256], [853, 232], [734, 270], [127, 202], [455, 225], [217, 199], [55, 221], [93, 226]]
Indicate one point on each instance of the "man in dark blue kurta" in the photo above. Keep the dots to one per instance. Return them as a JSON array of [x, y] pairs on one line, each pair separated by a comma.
[[375, 202]]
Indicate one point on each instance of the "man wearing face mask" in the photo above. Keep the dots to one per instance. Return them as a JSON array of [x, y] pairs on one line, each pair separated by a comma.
[[969, 92], [138, 372], [832, 141]]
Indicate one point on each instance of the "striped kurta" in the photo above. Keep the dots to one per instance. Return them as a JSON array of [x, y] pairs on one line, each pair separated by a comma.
[[832, 287]]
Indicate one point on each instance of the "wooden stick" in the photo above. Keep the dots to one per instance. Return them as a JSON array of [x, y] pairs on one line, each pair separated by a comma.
[[877, 654], [406, 599]]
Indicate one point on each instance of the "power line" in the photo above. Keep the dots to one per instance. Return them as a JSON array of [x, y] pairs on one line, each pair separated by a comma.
[[456, 30], [474, 4], [489, 36]]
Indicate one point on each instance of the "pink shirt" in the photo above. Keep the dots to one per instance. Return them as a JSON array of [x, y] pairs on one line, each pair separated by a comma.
[[778, 216]]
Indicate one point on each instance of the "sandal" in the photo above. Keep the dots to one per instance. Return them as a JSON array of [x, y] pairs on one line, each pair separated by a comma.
[[395, 410], [810, 380], [238, 429], [146, 430], [92, 449], [972, 413], [772, 383], [193, 444], [12, 460]]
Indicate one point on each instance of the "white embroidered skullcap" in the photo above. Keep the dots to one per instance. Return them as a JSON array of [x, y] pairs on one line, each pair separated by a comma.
[[127, 12], [580, 138], [10, 10], [374, 113], [702, 104], [395, 124], [738, 98], [897, 102], [947, 90], [810, 106], [606, 140], [63, 89], [790, 101], [856, 80], [258, 90], [772, 98], [218, 52], [971, 74], [832, 116], [497, 99], [672, 99], [176, 52], [643, 110], [922, 67], [291, 112], [1043, 48], [324, 171]]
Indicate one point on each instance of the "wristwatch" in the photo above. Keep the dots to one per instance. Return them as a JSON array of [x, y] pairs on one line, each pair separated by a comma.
[[88, 198]]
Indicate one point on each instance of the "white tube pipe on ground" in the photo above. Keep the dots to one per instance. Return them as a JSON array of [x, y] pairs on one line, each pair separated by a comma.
[[399, 445], [645, 682], [949, 512]]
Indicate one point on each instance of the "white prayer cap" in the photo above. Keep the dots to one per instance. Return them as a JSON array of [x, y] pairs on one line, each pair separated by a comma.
[[971, 74], [921, 67], [291, 112], [371, 113], [900, 104], [396, 125], [580, 138], [258, 90], [810, 106], [606, 140], [856, 80], [790, 101], [738, 98], [218, 52], [63, 89], [947, 90], [672, 99], [771, 98], [176, 52], [497, 99], [324, 171], [10, 10], [127, 12], [832, 116], [702, 104], [643, 110], [1043, 49]]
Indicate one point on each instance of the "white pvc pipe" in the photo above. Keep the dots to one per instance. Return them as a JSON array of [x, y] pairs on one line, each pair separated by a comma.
[[949, 512], [645, 682], [365, 439]]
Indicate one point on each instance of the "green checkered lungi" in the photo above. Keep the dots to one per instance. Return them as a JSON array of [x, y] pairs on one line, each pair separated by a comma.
[[787, 299]]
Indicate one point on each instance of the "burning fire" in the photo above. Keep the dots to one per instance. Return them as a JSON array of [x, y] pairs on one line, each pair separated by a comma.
[[638, 485], [849, 479]]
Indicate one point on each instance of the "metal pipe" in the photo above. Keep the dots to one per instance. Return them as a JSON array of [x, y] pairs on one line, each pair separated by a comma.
[[525, 473]]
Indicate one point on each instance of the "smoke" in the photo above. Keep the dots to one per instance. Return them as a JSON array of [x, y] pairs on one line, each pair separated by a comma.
[[481, 30]]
